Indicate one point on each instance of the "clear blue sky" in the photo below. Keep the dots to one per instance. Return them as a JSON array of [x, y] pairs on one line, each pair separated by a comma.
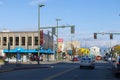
[[88, 16]]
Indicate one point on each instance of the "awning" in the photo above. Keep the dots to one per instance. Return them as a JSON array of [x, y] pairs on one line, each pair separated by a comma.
[[49, 51], [22, 50], [18, 49]]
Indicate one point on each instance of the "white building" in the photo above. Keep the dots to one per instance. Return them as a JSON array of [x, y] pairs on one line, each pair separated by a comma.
[[95, 51]]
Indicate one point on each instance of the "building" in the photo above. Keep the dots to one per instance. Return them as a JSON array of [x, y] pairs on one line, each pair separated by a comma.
[[25, 40], [68, 45], [95, 51]]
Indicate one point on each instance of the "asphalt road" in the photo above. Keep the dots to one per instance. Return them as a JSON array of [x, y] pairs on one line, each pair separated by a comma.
[[63, 71]]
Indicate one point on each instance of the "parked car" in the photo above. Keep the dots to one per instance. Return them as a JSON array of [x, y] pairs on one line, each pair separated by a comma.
[[98, 57], [87, 62], [105, 58], [116, 67], [75, 59]]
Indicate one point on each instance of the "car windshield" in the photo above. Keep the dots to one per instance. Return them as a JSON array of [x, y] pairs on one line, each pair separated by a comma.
[[83, 58], [86, 58], [119, 60]]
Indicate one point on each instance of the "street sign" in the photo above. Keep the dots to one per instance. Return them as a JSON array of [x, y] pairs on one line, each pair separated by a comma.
[[60, 40]]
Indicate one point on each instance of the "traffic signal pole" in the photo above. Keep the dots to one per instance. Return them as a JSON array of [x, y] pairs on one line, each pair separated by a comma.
[[111, 37], [111, 34], [54, 33]]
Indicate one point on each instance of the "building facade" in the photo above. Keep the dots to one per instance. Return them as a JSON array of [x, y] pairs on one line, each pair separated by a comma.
[[68, 45], [26, 40]]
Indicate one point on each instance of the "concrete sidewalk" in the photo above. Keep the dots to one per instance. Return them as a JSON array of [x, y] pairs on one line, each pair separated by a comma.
[[29, 65]]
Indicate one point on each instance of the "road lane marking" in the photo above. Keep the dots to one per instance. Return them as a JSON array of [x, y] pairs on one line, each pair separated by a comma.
[[59, 74]]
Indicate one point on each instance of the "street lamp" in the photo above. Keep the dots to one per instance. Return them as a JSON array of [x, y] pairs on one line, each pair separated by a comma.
[[57, 38], [40, 5]]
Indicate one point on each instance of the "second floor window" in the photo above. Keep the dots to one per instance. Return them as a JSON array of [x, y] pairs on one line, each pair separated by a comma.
[[4, 41], [0, 40], [29, 40], [11, 40], [23, 41], [16, 41], [36, 40]]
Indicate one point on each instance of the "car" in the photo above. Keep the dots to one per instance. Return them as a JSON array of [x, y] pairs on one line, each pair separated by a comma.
[[98, 57], [105, 58], [75, 59], [116, 67], [87, 62]]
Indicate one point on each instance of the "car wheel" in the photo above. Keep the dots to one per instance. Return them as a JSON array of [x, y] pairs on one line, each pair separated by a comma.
[[116, 75], [92, 67], [80, 66]]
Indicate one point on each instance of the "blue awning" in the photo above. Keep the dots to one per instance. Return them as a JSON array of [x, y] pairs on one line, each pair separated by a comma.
[[18, 49], [22, 50], [49, 51]]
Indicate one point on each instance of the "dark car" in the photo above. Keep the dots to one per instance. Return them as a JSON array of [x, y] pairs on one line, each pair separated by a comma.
[[116, 67]]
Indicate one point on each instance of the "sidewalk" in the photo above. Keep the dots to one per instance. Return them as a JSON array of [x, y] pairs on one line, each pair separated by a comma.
[[28, 65]]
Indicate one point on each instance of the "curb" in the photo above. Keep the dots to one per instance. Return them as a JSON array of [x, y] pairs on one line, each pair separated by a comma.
[[31, 67], [7, 70], [35, 67]]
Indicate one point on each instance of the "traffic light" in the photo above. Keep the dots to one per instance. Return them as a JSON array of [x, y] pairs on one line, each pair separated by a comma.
[[111, 36], [72, 29], [53, 31], [95, 35]]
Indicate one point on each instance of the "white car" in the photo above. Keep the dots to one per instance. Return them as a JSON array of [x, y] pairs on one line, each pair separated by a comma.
[[87, 62]]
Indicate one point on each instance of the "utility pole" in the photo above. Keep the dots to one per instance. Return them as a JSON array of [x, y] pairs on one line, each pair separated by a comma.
[[40, 5], [57, 38]]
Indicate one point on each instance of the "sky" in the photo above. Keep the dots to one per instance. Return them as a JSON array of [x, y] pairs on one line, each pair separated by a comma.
[[88, 16]]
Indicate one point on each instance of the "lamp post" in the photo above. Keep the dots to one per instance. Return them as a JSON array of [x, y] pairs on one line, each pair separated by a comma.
[[40, 5], [57, 37]]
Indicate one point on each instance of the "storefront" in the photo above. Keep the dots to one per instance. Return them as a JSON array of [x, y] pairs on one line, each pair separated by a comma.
[[24, 55]]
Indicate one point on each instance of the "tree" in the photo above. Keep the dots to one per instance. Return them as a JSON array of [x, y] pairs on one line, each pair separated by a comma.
[[73, 49], [115, 49]]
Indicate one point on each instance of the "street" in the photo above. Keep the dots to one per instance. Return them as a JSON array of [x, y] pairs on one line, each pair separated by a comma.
[[63, 71]]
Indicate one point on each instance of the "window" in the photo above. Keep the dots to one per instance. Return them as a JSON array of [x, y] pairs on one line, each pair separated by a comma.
[[36, 40], [4, 41], [11, 40], [29, 40], [16, 41], [23, 41], [0, 40]]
